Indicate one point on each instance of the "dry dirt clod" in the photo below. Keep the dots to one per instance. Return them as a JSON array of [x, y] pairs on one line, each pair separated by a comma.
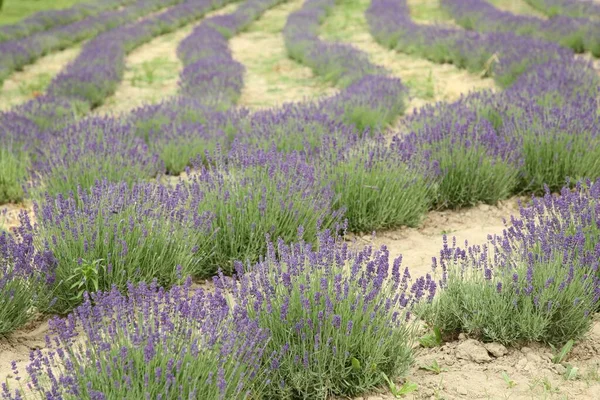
[[534, 357], [521, 363], [462, 337], [472, 350], [496, 349], [560, 369]]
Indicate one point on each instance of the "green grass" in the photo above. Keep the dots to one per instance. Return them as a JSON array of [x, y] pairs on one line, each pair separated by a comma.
[[15, 10]]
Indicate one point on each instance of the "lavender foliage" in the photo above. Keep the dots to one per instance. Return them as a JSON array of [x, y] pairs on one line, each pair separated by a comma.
[[24, 275], [537, 282], [337, 319], [151, 343], [115, 234]]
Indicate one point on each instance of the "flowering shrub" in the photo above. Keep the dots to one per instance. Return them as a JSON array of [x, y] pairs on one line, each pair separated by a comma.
[[558, 142], [377, 188], [258, 193], [150, 344], [24, 274], [114, 234], [93, 150], [338, 321], [472, 163], [537, 282]]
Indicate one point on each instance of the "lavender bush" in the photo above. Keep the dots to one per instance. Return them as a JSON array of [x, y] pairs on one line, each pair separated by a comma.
[[258, 193], [470, 161], [115, 234], [150, 344], [24, 276], [558, 142], [93, 150], [338, 321], [537, 282]]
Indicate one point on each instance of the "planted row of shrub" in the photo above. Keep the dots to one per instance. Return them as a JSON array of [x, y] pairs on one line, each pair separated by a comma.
[[17, 53], [44, 20], [391, 25], [578, 34], [312, 322], [571, 8]]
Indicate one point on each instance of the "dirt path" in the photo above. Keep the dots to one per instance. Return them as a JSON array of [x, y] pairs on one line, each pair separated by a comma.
[[271, 77], [33, 80], [428, 81], [152, 71]]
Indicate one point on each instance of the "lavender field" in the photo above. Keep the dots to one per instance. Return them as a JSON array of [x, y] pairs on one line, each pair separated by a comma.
[[300, 199]]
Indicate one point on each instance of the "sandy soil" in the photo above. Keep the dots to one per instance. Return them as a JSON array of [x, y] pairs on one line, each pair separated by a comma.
[[428, 81], [470, 371], [152, 71], [9, 214], [271, 77], [419, 245], [33, 80]]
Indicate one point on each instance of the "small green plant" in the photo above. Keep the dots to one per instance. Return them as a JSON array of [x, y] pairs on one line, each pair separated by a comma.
[[571, 373], [36, 86], [398, 392], [561, 355], [434, 367], [85, 278], [509, 382], [151, 72], [432, 339]]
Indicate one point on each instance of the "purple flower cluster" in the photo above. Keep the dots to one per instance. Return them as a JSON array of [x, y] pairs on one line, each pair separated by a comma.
[[579, 34], [149, 344], [44, 20]]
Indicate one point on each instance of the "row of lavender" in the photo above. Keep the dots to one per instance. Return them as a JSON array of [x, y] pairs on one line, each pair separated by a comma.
[[579, 34], [571, 8], [285, 336], [17, 53], [315, 322], [45, 20]]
